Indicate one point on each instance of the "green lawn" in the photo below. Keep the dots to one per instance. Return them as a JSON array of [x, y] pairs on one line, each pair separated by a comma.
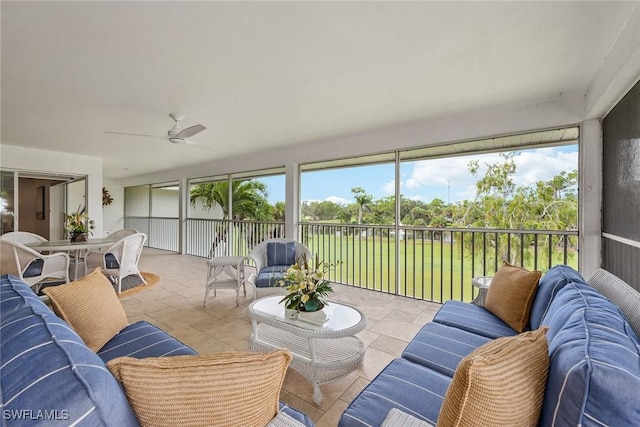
[[431, 270]]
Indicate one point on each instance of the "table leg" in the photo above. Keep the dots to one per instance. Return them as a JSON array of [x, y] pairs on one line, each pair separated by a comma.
[[317, 394]]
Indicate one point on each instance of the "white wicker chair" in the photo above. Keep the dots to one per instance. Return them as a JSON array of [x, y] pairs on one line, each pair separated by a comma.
[[30, 266], [259, 256], [23, 237], [124, 232], [120, 260]]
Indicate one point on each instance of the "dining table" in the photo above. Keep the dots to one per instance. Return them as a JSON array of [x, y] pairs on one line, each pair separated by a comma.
[[77, 248]]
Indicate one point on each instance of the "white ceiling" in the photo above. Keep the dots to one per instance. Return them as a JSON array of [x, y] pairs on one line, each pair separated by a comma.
[[272, 74]]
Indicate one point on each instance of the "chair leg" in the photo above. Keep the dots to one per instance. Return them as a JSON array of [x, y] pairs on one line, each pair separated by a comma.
[[142, 278]]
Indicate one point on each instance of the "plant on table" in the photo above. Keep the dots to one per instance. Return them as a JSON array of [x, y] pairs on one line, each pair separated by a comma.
[[78, 224], [306, 285]]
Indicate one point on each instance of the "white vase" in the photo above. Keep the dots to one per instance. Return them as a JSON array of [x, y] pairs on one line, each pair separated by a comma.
[[290, 313], [316, 317]]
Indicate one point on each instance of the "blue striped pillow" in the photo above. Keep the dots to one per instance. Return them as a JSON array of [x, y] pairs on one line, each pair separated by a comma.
[[281, 253]]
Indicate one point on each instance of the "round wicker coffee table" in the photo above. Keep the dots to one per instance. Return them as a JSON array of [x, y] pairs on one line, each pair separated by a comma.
[[322, 351]]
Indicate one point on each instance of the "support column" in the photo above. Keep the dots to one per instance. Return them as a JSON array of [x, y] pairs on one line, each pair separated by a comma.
[[183, 196], [292, 200], [590, 198]]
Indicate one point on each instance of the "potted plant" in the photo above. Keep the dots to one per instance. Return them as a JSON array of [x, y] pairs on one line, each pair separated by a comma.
[[306, 285], [78, 225]]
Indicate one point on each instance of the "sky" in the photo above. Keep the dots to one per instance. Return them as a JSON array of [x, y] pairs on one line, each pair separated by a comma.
[[448, 179]]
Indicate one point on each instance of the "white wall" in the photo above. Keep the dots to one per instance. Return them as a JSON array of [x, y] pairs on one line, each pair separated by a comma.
[[113, 214], [55, 162], [165, 202], [137, 201], [199, 212]]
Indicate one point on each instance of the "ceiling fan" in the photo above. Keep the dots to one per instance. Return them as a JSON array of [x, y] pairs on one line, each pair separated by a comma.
[[176, 134]]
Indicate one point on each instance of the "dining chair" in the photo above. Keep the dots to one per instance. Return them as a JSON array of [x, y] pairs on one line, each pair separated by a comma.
[[120, 259], [31, 266], [124, 232], [23, 237], [272, 258]]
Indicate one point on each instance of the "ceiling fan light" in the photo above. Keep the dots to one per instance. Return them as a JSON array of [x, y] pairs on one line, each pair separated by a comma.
[[180, 141]]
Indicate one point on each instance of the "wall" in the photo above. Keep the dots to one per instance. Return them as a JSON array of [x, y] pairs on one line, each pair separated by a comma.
[[55, 162], [621, 185], [113, 214]]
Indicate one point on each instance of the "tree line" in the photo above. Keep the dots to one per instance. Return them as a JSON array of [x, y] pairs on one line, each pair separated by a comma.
[[498, 203]]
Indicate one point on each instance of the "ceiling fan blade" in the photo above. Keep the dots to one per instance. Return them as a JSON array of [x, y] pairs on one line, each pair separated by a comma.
[[190, 131], [134, 134], [198, 145]]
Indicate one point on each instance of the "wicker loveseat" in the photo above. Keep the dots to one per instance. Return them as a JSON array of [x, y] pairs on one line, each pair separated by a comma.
[[593, 365], [51, 377]]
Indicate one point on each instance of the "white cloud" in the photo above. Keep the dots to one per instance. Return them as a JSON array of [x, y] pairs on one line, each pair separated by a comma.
[[543, 164], [450, 177], [338, 200], [389, 188]]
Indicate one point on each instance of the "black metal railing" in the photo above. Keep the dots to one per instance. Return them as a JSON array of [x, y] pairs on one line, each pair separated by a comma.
[[429, 263]]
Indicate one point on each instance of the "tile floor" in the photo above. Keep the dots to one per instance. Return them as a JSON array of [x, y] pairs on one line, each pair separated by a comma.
[[175, 304]]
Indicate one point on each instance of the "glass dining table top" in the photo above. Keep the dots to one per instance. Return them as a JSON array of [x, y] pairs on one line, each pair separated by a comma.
[[66, 245]]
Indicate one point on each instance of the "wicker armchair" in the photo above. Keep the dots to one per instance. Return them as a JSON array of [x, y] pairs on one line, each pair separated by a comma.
[[30, 266], [265, 279], [120, 260], [23, 237], [124, 232]]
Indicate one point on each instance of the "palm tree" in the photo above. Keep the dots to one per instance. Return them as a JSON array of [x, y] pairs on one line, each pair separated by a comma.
[[363, 200], [248, 202], [248, 198]]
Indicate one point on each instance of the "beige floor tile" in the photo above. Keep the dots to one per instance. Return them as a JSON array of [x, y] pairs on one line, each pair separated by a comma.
[[332, 415], [355, 389], [401, 330], [389, 345]]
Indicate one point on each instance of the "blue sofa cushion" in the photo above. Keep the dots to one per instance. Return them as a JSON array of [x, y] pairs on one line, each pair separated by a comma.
[[296, 415], [572, 297], [281, 253], [142, 339], [472, 318], [441, 347], [412, 388], [110, 261], [34, 268], [269, 276], [48, 373], [552, 281], [594, 372]]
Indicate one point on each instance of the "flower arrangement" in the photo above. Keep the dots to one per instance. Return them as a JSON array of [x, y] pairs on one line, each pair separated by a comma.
[[305, 281], [78, 223]]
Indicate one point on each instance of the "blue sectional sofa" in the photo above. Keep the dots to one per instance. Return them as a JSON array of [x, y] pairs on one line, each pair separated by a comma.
[[50, 377], [594, 372]]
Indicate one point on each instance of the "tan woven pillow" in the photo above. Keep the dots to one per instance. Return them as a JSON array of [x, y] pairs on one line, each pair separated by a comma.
[[222, 389], [511, 295], [92, 308], [501, 383]]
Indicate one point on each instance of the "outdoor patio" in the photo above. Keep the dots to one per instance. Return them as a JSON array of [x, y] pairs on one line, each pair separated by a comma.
[[175, 304]]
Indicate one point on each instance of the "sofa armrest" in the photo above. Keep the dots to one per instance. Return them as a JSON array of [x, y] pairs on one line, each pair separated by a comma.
[[284, 420], [397, 418], [619, 293]]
